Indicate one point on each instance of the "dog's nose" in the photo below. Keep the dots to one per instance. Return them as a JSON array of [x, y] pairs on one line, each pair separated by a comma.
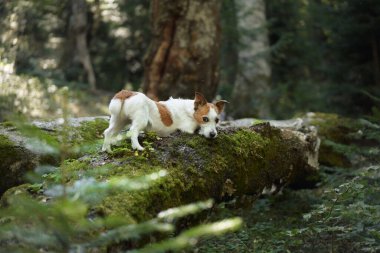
[[212, 134]]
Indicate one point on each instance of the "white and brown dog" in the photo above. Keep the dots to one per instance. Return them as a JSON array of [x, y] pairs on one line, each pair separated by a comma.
[[162, 117]]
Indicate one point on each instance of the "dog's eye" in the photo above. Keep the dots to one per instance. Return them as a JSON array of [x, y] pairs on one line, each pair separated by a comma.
[[216, 120], [205, 119]]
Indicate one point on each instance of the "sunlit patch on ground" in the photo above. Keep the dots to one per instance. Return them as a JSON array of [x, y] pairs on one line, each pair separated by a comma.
[[37, 98]]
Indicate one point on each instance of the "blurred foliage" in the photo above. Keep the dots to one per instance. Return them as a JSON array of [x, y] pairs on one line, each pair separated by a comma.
[[36, 37], [324, 54], [55, 214]]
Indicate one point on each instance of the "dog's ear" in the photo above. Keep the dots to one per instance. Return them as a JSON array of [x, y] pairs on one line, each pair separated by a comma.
[[220, 105], [199, 100]]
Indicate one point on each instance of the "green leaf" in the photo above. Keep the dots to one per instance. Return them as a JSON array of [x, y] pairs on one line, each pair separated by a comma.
[[181, 211], [191, 236], [129, 232]]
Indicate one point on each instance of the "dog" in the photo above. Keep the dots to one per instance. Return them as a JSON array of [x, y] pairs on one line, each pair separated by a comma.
[[164, 117]]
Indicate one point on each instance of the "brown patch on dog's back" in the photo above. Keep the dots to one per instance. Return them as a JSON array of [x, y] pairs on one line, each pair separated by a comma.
[[202, 111], [124, 94], [165, 114]]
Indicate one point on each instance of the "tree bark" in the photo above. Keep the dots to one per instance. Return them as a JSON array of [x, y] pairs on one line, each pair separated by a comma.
[[78, 28], [376, 61], [250, 95], [184, 53]]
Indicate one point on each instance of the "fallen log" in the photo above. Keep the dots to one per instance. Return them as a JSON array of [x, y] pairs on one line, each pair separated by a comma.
[[240, 161], [19, 153]]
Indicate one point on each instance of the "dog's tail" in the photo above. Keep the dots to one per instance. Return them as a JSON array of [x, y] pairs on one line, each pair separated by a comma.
[[117, 103], [116, 107], [121, 107]]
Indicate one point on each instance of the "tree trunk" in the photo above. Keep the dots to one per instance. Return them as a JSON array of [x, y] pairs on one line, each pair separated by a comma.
[[78, 28], [229, 62], [250, 95], [184, 53], [376, 61]]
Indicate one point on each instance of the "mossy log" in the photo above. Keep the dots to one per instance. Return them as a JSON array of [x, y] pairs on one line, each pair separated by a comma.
[[343, 139], [15, 161], [240, 161], [18, 154]]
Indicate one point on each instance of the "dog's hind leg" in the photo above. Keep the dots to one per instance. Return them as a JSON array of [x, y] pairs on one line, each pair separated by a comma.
[[117, 123], [109, 133], [139, 123]]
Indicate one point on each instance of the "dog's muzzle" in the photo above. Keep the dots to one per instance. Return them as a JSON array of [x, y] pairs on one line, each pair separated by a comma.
[[212, 134]]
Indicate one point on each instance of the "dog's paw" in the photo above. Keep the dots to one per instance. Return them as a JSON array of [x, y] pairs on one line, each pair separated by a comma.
[[137, 147], [106, 149]]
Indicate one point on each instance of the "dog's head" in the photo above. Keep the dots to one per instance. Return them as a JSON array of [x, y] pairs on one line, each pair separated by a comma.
[[207, 115]]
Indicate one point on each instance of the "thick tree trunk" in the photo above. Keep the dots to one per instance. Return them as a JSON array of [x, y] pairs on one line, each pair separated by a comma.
[[250, 95], [78, 28], [184, 52]]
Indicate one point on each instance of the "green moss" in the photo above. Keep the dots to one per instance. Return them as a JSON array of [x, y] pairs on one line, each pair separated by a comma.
[[5, 141], [333, 127], [21, 190], [15, 161], [7, 124], [91, 130], [7, 152], [84, 139], [342, 138], [72, 169], [328, 156], [258, 121], [249, 159]]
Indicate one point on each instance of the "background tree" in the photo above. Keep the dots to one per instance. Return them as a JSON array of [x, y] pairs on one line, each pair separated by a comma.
[[323, 55], [356, 40], [251, 92], [79, 26], [183, 56], [229, 51]]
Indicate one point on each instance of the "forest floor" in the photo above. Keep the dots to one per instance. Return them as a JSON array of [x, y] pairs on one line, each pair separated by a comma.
[[342, 214]]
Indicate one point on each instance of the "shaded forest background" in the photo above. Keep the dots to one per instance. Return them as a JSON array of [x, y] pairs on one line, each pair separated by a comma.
[[277, 58], [269, 58]]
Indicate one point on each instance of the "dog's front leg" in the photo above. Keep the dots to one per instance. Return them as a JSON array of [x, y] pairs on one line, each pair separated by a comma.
[[138, 124], [134, 139]]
